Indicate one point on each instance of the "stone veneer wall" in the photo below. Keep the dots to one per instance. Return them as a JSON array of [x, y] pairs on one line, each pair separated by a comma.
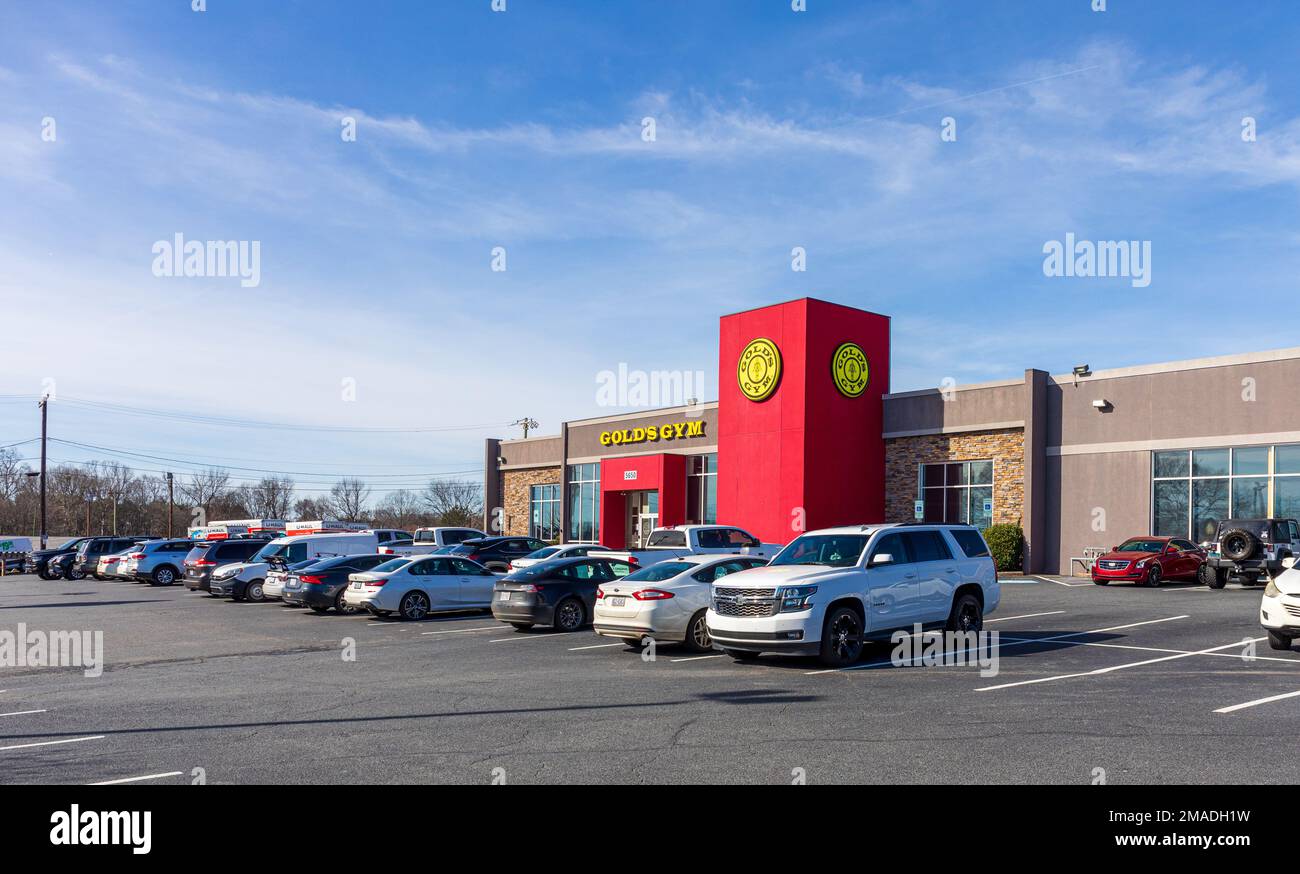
[[515, 486], [904, 455]]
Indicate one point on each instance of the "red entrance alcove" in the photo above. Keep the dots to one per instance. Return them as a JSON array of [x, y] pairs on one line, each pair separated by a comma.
[[661, 472]]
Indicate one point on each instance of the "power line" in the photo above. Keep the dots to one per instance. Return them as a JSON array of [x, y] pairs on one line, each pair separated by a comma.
[[230, 422], [150, 457], [299, 485]]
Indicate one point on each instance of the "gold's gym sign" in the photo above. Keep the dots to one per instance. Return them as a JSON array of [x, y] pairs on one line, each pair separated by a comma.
[[652, 433], [759, 369]]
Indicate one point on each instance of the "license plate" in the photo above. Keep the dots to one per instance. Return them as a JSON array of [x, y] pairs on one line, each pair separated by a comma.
[[503, 596], [356, 585], [616, 602]]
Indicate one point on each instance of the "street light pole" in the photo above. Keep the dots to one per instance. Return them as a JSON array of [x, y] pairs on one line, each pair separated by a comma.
[[171, 501]]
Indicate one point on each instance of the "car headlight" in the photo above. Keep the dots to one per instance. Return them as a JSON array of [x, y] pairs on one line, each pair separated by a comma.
[[1271, 590], [795, 597], [222, 575]]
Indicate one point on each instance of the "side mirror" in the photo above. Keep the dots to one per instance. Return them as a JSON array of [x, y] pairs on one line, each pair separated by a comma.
[[881, 558]]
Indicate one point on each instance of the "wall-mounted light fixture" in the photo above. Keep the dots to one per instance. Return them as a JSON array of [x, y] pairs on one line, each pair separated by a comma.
[[1102, 405]]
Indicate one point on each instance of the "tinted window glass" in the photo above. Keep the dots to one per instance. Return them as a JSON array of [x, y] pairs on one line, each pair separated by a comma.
[[970, 542], [466, 568], [832, 550], [894, 545], [667, 538]]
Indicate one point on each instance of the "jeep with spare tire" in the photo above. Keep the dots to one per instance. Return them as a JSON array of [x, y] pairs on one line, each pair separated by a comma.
[[1250, 551]]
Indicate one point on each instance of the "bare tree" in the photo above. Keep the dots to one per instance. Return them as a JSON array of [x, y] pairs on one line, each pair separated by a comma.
[[454, 502], [271, 498], [305, 509], [402, 509], [348, 499], [205, 488]]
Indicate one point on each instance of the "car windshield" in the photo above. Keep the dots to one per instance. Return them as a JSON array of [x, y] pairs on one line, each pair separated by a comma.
[[390, 566], [545, 552], [1142, 546], [830, 550], [271, 550], [657, 573]]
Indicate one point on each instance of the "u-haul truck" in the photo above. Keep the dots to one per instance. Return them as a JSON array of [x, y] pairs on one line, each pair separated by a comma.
[[323, 526], [225, 529]]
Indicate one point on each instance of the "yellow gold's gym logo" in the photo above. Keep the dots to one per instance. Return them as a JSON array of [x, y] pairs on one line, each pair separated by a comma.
[[759, 369], [850, 370]]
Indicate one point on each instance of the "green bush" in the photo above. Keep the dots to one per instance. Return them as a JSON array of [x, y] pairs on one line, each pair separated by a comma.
[[1007, 544]]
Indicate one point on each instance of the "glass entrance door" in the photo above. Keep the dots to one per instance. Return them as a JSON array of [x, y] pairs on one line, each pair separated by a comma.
[[642, 517]]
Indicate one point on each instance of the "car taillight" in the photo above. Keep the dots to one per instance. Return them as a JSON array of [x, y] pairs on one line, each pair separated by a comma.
[[203, 562], [652, 595], [531, 589], [600, 594], [136, 555], [311, 580], [385, 550], [632, 559]]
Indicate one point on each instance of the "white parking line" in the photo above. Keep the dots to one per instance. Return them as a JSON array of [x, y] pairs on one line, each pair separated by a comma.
[[1257, 702], [1220, 655], [698, 658], [596, 646], [1059, 583], [1113, 668], [137, 779], [1025, 616], [1014, 642], [50, 743], [462, 630], [525, 637], [23, 712]]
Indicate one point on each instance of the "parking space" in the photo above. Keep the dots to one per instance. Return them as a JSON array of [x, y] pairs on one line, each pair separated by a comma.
[[1145, 685]]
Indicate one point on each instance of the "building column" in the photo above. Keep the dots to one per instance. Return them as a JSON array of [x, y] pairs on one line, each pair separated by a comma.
[[564, 482], [1034, 515], [491, 483]]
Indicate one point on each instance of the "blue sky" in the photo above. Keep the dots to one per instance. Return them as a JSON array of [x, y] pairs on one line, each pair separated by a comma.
[[522, 129]]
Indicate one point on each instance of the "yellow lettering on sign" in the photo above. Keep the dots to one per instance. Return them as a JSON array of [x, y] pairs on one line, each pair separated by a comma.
[[652, 433]]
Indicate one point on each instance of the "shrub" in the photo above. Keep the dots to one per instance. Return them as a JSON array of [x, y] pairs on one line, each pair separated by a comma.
[[1007, 544]]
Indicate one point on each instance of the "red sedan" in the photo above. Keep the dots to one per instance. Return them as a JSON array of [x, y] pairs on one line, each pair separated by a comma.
[[1148, 561]]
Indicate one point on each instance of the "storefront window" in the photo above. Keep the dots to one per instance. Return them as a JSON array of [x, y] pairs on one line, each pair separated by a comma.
[[1193, 491], [544, 512], [584, 502], [958, 492], [702, 490]]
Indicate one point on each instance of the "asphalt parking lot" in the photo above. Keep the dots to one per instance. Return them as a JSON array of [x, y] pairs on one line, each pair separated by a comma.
[[1119, 683]]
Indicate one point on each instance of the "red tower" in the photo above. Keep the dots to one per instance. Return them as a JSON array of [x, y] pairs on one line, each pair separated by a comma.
[[800, 418]]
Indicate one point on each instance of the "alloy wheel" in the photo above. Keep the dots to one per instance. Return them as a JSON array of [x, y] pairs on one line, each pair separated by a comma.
[[846, 636]]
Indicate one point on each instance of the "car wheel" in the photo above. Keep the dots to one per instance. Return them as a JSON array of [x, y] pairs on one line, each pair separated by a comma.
[[741, 655], [1215, 578], [967, 615], [698, 638], [339, 604], [74, 574], [253, 592], [841, 638], [1278, 641], [1239, 544], [569, 615], [164, 576], [522, 626], [45, 575], [414, 606], [1153, 579]]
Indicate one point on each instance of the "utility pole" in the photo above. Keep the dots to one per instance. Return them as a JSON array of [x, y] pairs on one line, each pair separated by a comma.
[[171, 502], [45, 534], [526, 423]]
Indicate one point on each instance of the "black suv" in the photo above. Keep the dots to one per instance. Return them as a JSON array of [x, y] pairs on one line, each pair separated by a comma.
[[208, 555], [496, 553], [45, 562], [1248, 549]]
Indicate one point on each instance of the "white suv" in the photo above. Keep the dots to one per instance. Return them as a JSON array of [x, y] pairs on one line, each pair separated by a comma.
[[830, 590]]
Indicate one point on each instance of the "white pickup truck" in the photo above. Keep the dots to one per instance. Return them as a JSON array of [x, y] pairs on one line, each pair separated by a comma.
[[428, 540], [683, 540]]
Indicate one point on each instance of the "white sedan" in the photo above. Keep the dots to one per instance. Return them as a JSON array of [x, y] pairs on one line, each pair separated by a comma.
[[550, 553], [415, 587], [666, 601]]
